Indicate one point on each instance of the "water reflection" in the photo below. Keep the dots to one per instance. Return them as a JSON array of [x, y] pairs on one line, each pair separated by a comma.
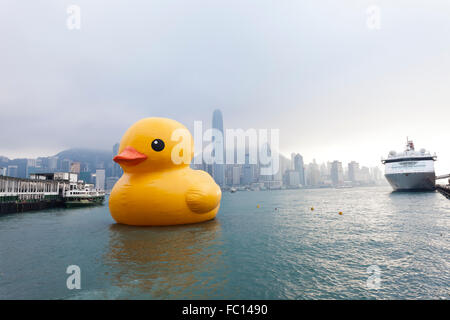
[[163, 262]]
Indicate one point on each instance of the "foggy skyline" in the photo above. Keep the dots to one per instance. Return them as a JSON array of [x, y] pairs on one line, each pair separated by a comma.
[[336, 89]]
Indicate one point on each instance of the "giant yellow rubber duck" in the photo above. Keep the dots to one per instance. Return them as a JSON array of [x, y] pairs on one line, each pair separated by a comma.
[[158, 187]]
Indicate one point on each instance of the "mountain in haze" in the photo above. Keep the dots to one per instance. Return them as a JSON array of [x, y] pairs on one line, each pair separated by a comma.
[[85, 155], [93, 158]]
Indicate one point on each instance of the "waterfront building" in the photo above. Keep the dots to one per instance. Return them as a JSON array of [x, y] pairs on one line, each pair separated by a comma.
[[298, 166], [19, 168], [52, 163], [218, 168], [31, 162], [229, 174], [75, 167], [110, 182], [13, 171], [353, 171], [337, 173], [65, 165], [313, 174], [248, 171], [292, 179], [376, 174], [86, 177], [100, 179], [365, 175], [116, 169], [236, 175], [2, 171]]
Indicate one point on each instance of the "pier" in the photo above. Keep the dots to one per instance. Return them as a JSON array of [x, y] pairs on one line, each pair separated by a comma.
[[444, 190], [46, 190], [18, 195]]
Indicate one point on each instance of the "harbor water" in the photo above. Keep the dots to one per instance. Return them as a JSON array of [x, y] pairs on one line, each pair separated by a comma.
[[262, 245]]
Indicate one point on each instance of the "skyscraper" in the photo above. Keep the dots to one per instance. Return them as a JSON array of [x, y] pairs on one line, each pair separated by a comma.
[[237, 175], [313, 174], [299, 166], [247, 178], [13, 171], [117, 170], [218, 169], [75, 167], [353, 171], [337, 173], [100, 179], [66, 164]]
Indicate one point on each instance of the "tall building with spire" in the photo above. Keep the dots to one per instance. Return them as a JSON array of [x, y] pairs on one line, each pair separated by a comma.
[[218, 169]]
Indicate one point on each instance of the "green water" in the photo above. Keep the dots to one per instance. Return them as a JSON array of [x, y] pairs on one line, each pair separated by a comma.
[[281, 250]]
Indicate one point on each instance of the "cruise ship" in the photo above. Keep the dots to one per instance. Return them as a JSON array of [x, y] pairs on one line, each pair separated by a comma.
[[410, 170]]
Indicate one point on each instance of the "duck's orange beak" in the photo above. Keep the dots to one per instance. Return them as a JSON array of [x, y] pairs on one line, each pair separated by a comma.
[[130, 156]]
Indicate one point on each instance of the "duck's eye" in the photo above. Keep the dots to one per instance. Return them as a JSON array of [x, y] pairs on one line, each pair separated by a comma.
[[158, 145]]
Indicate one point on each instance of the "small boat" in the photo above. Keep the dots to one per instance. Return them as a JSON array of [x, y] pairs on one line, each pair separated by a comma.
[[233, 189]]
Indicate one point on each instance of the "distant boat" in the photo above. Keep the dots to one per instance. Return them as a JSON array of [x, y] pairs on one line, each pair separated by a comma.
[[233, 189], [410, 170]]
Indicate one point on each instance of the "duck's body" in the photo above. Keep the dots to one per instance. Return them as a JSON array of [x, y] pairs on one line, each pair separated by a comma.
[[155, 192], [165, 198]]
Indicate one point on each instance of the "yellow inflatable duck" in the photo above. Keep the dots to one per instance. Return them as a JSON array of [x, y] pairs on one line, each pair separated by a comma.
[[158, 187]]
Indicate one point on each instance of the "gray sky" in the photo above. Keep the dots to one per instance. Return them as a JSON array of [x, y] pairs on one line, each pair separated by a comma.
[[335, 88]]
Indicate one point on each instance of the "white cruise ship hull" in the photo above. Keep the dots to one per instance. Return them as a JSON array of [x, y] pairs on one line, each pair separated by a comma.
[[410, 170], [412, 181]]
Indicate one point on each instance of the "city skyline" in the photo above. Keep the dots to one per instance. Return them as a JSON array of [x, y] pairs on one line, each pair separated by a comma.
[[292, 173]]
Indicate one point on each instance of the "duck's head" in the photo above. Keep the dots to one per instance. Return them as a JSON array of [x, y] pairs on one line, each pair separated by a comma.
[[153, 144]]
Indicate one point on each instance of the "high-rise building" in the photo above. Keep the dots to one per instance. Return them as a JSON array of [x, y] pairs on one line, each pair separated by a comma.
[[13, 171], [75, 167], [313, 177], [337, 173], [247, 178], [237, 175], [117, 170], [48, 164], [353, 171], [85, 176], [65, 165], [21, 170], [365, 174], [218, 168], [299, 166], [110, 182], [292, 179], [100, 179], [376, 174]]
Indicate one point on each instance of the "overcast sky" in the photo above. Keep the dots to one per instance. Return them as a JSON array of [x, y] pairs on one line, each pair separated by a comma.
[[335, 88]]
